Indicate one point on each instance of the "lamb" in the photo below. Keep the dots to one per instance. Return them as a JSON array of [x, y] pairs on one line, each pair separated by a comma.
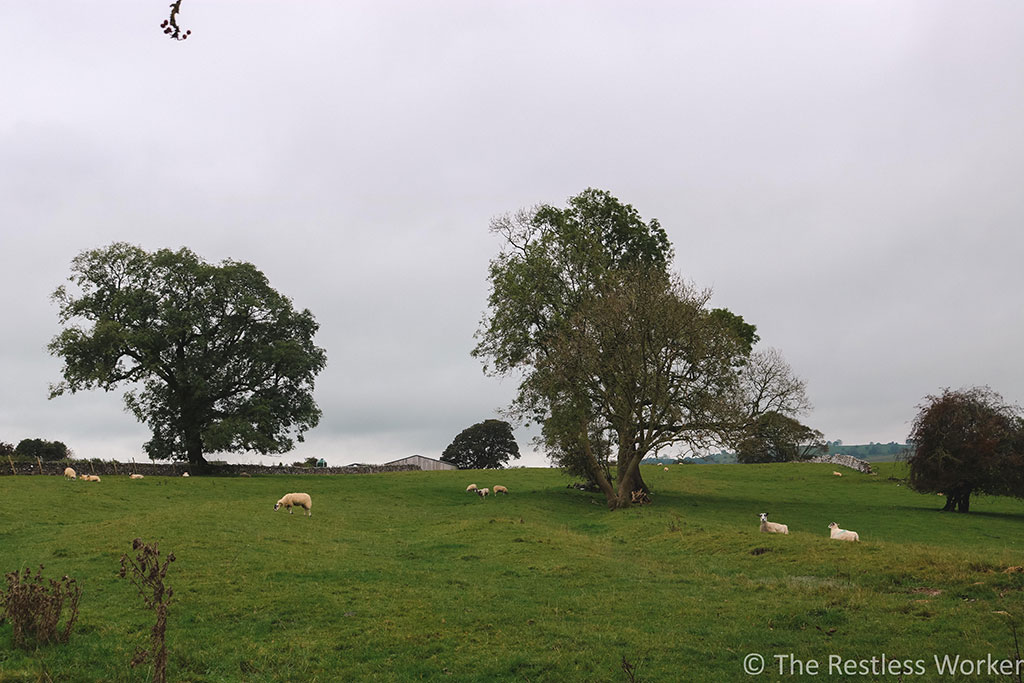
[[771, 527], [290, 500], [842, 534], [89, 477], [500, 489], [471, 487], [482, 492], [135, 476], [69, 473]]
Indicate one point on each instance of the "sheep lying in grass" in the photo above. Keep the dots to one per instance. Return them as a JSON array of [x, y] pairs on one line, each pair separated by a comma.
[[69, 473], [482, 492], [290, 500], [89, 477], [500, 489], [135, 476], [771, 527], [842, 534], [471, 487], [837, 474], [185, 475]]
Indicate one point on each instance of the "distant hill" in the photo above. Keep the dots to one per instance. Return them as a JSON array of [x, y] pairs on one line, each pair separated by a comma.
[[871, 452]]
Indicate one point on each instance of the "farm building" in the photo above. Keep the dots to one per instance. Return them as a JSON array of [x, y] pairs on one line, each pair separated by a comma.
[[424, 463]]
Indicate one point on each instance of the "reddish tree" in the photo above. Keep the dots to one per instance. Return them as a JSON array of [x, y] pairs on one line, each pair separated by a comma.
[[967, 441]]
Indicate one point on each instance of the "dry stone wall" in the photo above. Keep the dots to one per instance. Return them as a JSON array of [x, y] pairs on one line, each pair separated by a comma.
[[846, 461], [150, 469]]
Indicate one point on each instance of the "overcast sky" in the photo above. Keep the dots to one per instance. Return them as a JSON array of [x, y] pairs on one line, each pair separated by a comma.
[[845, 175]]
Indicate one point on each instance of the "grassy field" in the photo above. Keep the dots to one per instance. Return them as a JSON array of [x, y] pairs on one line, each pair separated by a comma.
[[404, 576]]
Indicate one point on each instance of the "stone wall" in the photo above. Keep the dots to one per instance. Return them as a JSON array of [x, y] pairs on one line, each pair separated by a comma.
[[151, 469], [846, 461]]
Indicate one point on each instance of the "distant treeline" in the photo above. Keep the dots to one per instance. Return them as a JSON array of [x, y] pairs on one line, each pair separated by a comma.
[[877, 452], [872, 452]]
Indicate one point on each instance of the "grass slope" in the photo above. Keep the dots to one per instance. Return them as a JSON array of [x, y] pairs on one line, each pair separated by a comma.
[[404, 576]]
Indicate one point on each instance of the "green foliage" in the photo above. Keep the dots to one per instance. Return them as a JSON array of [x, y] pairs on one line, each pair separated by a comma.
[[405, 577], [773, 437], [49, 451], [6, 448], [216, 358], [486, 445], [613, 350], [967, 441]]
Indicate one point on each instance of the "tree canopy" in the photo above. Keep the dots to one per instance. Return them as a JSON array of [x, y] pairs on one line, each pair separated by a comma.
[[614, 351], [774, 437], [42, 449], [486, 445], [967, 441], [216, 359]]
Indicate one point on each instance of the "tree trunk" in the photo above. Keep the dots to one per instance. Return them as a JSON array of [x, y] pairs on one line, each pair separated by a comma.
[[597, 473], [630, 479], [194, 452], [959, 500]]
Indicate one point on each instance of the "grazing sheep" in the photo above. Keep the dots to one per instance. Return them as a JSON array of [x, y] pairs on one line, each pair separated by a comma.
[[471, 487], [771, 527], [69, 473], [500, 489], [135, 476], [482, 492], [666, 469], [842, 534], [837, 474], [290, 500]]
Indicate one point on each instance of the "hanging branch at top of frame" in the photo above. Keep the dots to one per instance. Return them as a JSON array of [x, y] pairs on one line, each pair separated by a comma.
[[170, 25]]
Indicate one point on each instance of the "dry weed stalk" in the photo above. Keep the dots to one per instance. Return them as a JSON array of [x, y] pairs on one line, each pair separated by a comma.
[[34, 607], [147, 573]]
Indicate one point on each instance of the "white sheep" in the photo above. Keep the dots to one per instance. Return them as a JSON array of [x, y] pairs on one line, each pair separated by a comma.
[[69, 473], [185, 475], [135, 476], [89, 477], [500, 489], [771, 527], [290, 500], [471, 487], [842, 534], [837, 474], [482, 492]]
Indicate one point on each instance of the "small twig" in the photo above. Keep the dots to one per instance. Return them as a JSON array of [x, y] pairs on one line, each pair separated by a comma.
[[170, 25]]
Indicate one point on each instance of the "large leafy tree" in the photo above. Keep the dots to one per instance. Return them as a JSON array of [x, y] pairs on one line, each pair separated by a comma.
[[216, 359], [774, 437], [485, 445], [614, 352], [42, 449], [967, 441]]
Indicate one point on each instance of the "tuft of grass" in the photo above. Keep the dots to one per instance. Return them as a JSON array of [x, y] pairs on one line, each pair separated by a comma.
[[405, 576]]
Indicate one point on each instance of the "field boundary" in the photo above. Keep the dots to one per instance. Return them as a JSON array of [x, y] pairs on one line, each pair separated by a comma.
[[150, 469], [845, 461]]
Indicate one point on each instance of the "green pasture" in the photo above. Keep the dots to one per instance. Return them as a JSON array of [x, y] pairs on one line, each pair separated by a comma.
[[404, 576]]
